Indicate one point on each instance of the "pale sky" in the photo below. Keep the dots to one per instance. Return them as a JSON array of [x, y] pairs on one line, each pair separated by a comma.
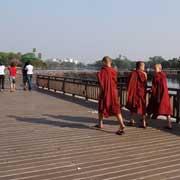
[[89, 29]]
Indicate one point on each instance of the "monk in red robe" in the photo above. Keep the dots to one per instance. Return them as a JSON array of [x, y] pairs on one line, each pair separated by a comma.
[[108, 98], [136, 93], [159, 103]]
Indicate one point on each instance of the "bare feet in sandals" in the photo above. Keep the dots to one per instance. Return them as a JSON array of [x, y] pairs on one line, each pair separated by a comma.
[[99, 125], [121, 131]]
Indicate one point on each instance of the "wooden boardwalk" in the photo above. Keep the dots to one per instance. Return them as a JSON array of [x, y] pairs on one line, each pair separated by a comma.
[[48, 136]]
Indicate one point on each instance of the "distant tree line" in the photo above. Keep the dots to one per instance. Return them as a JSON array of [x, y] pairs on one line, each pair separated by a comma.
[[123, 63], [7, 57], [20, 59]]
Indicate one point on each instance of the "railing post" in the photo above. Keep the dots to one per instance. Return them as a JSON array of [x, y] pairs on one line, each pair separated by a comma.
[[178, 106], [37, 83], [42, 77], [48, 83], [86, 94], [73, 93], [63, 88], [120, 94]]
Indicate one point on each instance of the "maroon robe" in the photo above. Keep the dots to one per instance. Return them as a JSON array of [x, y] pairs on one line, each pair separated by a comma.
[[159, 103], [108, 99], [136, 90]]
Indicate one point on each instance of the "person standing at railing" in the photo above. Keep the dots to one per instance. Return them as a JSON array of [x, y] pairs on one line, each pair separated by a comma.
[[2, 76], [108, 98], [136, 94], [29, 69], [159, 103]]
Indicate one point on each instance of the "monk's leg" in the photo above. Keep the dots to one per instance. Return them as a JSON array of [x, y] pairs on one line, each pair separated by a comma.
[[121, 121], [132, 121], [169, 121], [100, 123], [144, 124], [122, 126]]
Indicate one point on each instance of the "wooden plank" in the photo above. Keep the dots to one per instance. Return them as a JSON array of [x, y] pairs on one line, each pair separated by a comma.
[[52, 138]]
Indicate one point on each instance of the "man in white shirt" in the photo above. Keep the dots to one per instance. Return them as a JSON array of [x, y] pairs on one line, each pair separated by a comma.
[[29, 69], [2, 76]]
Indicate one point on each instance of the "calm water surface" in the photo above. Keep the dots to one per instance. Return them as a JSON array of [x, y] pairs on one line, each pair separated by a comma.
[[172, 83]]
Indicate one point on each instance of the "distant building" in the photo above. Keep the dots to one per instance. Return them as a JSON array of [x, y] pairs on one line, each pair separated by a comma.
[[71, 60], [76, 62], [54, 60], [66, 60]]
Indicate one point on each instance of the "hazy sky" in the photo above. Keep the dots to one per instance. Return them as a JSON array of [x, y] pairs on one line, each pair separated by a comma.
[[90, 29]]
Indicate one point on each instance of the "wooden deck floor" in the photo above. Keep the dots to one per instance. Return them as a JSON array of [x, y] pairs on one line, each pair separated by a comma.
[[47, 136]]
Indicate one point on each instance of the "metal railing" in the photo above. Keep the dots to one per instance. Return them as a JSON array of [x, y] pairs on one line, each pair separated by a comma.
[[89, 89]]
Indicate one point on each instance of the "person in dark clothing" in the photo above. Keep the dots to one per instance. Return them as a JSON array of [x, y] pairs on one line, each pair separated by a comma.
[[24, 73]]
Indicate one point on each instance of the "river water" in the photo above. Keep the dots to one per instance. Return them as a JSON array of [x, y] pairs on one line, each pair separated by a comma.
[[172, 83]]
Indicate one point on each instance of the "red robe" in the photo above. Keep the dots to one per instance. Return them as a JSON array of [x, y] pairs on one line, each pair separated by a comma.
[[136, 90], [159, 103], [108, 99]]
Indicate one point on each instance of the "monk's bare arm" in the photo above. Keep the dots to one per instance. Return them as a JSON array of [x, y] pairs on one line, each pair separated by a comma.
[[145, 74]]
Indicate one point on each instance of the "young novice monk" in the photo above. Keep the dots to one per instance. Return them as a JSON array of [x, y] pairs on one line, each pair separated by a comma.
[[108, 99], [136, 93], [159, 103]]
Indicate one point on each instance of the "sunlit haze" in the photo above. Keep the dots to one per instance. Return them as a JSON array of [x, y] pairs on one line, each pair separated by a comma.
[[89, 29]]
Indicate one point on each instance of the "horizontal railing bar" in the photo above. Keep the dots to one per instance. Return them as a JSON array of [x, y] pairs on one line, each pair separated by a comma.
[[56, 78]]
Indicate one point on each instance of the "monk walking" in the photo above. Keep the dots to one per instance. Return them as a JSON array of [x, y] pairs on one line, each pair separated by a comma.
[[136, 93], [108, 99], [159, 103]]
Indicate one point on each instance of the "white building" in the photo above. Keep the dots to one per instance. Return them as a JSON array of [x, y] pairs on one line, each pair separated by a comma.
[[54, 60], [70, 60], [76, 61]]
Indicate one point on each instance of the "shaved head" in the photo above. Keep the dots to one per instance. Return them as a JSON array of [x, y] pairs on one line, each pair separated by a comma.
[[107, 61], [158, 67], [140, 65]]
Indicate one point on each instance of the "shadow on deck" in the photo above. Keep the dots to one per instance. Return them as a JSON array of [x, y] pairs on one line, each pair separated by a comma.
[[81, 122]]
